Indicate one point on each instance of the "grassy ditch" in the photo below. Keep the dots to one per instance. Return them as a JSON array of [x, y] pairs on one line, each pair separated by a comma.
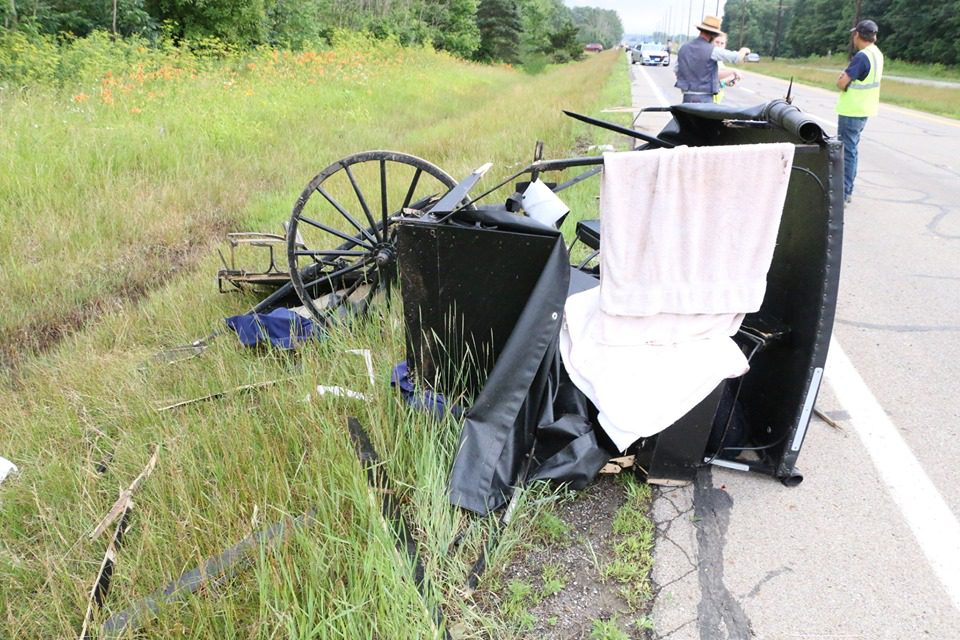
[[823, 72], [113, 197]]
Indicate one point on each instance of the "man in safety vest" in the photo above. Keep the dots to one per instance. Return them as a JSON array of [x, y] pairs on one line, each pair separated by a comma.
[[859, 98]]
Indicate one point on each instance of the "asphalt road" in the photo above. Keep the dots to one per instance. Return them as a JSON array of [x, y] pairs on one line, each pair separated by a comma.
[[868, 546]]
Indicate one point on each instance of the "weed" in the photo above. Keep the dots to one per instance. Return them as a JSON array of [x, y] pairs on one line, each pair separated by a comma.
[[553, 580], [550, 529], [516, 606], [607, 630]]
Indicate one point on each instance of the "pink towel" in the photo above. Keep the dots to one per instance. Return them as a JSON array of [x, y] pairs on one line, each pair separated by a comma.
[[690, 230]]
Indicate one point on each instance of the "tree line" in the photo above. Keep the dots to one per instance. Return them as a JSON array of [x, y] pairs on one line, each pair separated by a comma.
[[512, 31], [910, 30]]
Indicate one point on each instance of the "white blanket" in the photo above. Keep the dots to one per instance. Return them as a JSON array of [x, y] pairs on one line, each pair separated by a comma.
[[690, 230], [687, 239], [641, 389]]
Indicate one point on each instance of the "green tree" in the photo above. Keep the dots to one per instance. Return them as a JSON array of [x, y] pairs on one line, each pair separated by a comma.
[[500, 27], [598, 25], [564, 42], [78, 17], [921, 31], [452, 25], [240, 22]]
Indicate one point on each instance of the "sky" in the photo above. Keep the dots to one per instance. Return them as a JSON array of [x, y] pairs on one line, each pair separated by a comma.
[[647, 16]]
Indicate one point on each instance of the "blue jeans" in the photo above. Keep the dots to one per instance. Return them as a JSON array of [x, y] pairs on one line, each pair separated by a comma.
[[849, 129]]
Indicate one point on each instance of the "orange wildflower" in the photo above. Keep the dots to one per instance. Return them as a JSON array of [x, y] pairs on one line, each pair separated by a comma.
[[81, 97], [134, 110]]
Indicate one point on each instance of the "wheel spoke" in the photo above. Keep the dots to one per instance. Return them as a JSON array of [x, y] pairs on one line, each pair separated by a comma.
[[329, 277], [345, 214], [340, 234], [383, 191], [363, 202], [411, 190], [329, 252]]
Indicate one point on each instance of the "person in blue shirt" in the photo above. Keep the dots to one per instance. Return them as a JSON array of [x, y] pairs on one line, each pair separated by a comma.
[[859, 99]]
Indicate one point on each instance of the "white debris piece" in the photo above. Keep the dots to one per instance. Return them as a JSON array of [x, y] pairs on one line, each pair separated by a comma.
[[339, 391], [6, 468]]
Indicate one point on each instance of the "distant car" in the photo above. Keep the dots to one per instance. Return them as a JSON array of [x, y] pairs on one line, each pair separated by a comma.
[[752, 57], [595, 47], [651, 53]]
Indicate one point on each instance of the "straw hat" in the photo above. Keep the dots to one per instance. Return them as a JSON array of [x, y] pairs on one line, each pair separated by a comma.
[[710, 24]]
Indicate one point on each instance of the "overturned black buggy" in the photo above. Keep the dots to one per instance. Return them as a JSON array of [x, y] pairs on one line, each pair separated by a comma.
[[487, 282], [485, 286]]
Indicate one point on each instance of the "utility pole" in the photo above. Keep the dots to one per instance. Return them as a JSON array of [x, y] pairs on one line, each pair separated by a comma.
[[856, 18], [689, 19], [776, 31], [114, 18], [743, 14], [13, 12]]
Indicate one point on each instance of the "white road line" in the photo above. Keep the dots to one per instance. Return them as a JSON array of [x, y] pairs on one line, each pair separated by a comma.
[[653, 87], [933, 524]]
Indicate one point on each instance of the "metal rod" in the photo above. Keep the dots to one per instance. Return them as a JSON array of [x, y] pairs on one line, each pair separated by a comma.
[[625, 131]]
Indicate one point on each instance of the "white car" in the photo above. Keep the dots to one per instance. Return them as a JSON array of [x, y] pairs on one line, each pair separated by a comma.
[[651, 53]]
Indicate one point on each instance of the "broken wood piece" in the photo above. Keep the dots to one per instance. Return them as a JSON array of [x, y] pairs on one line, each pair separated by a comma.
[[221, 394], [616, 465], [101, 585], [830, 421], [123, 503]]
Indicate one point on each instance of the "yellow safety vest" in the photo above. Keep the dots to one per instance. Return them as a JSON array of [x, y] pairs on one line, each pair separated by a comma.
[[862, 97]]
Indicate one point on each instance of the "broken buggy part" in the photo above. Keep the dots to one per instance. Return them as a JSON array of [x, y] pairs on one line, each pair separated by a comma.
[[214, 571], [233, 278], [341, 245], [101, 584], [378, 483], [184, 352], [657, 142]]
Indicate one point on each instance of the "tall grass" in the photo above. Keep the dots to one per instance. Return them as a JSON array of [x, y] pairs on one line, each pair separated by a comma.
[[113, 197]]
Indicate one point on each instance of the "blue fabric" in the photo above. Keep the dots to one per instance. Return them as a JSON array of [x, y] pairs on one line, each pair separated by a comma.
[[849, 129], [281, 327], [859, 67], [425, 400]]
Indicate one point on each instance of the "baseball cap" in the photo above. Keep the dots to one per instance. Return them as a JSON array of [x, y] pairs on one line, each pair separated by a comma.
[[866, 27]]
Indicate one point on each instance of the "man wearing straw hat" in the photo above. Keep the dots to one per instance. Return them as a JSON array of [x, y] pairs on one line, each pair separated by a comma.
[[697, 74]]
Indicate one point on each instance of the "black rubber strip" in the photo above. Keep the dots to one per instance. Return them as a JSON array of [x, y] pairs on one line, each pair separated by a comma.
[[379, 481]]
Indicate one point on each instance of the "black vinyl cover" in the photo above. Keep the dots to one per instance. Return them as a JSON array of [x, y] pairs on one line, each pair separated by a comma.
[[526, 403]]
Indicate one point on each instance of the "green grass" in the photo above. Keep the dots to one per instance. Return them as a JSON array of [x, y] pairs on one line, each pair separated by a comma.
[[633, 551], [111, 213], [823, 72]]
